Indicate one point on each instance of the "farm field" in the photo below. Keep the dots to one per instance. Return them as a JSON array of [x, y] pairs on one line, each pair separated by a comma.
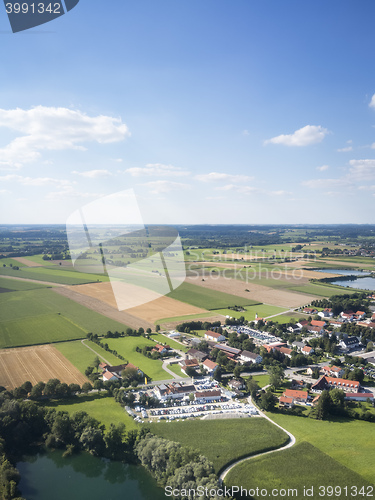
[[126, 347], [53, 274], [18, 285], [321, 290], [301, 466], [82, 357], [36, 364], [223, 441], [256, 292], [170, 323], [262, 310], [43, 316], [350, 442], [103, 408], [206, 298]]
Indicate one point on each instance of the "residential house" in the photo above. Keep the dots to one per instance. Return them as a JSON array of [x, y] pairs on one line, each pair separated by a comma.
[[250, 357], [316, 322], [333, 371], [236, 384], [214, 336], [299, 345], [360, 315], [309, 310], [315, 329], [291, 397], [287, 352], [349, 343], [188, 363], [209, 366], [161, 349], [195, 354], [297, 384], [294, 328], [231, 352], [307, 350], [110, 377], [335, 383], [347, 315], [303, 323], [326, 313]]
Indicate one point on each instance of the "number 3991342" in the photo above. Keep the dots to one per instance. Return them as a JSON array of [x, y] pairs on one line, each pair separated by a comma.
[[33, 8]]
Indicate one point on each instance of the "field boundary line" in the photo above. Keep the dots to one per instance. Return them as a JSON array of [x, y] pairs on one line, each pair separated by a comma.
[[291, 442], [93, 350]]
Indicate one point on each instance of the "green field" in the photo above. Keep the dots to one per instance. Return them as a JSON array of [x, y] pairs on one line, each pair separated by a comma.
[[54, 274], [350, 442], [262, 310], [162, 339], [82, 357], [105, 409], [223, 441], [40, 316], [41, 329], [126, 347], [189, 317], [321, 290], [262, 380], [176, 368], [206, 298], [18, 285], [286, 318], [295, 468]]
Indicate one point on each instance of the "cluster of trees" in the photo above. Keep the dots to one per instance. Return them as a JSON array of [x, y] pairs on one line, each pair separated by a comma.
[[188, 326], [356, 302], [174, 465], [147, 351], [328, 343], [52, 389]]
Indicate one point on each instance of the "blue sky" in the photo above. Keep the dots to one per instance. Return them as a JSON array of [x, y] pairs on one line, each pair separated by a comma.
[[245, 111]]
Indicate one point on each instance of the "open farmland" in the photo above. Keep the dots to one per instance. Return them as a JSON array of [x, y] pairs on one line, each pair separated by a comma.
[[41, 316], [262, 310], [207, 298], [223, 441], [36, 364], [295, 468], [258, 293], [54, 274], [18, 285]]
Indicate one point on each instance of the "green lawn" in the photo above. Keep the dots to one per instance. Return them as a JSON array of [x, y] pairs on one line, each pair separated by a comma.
[[18, 286], [350, 442], [262, 310], [223, 441], [286, 318], [40, 316], [295, 468], [126, 347], [103, 408], [54, 274], [81, 357], [163, 339], [176, 368], [262, 380], [189, 317]]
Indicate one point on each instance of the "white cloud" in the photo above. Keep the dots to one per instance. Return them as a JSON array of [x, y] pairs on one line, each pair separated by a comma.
[[245, 132], [93, 174], [218, 176], [325, 183], [373, 145], [305, 136], [323, 168], [54, 129], [35, 181], [158, 187], [362, 170], [372, 102], [69, 192], [345, 150], [157, 169], [281, 192], [237, 188]]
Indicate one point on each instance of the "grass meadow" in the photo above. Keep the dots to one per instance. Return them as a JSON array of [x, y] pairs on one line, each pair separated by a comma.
[[158, 337], [262, 310], [301, 466], [223, 441], [189, 317], [53, 274], [126, 347], [18, 285], [97, 405], [349, 442], [207, 299], [82, 357], [42, 316]]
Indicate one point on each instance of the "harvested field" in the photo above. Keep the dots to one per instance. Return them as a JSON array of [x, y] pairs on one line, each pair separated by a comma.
[[27, 262], [171, 325], [36, 364], [260, 293], [305, 273], [102, 308], [161, 307], [164, 307]]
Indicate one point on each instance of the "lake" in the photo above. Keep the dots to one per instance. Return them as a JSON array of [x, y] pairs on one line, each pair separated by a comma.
[[358, 283], [50, 476]]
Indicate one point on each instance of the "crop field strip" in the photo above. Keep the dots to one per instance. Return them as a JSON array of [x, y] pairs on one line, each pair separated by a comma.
[[55, 274], [47, 317], [35, 364]]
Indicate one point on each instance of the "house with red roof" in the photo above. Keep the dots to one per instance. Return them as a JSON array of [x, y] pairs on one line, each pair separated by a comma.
[[307, 350], [161, 349], [209, 366], [333, 371], [291, 397], [214, 336], [325, 383]]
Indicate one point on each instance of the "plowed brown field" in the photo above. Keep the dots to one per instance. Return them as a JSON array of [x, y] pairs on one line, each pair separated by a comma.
[[36, 364]]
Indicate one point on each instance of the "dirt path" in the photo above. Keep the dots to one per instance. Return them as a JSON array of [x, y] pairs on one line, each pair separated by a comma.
[[104, 309], [290, 443], [93, 350]]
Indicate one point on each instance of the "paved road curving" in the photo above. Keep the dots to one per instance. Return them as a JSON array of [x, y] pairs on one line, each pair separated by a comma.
[[290, 443]]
